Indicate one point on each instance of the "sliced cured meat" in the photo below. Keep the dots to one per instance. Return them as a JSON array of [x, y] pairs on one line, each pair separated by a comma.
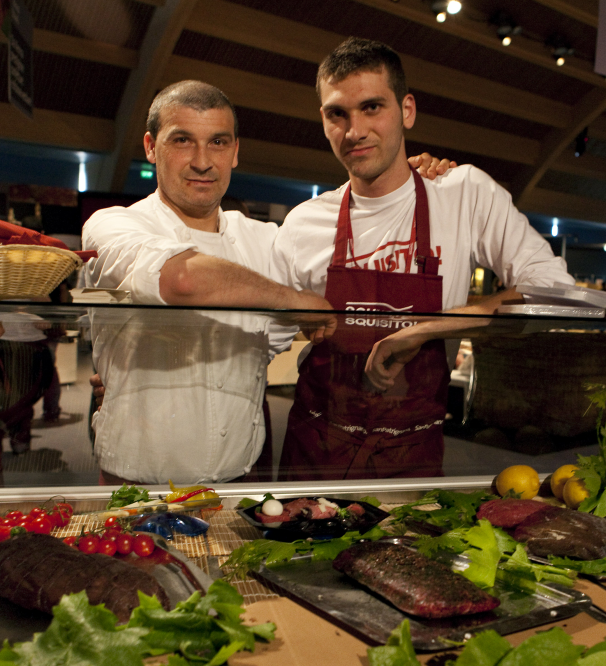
[[295, 507], [305, 507], [356, 509], [36, 570], [565, 533], [412, 582], [509, 512]]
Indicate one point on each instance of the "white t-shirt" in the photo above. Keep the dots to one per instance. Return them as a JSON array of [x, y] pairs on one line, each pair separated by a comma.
[[472, 223], [183, 388]]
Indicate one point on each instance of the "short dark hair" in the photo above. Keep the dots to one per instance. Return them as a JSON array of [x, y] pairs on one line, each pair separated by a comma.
[[194, 94], [356, 54]]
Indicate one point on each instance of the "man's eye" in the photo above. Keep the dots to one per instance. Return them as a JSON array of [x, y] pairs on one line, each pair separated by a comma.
[[372, 107], [181, 139]]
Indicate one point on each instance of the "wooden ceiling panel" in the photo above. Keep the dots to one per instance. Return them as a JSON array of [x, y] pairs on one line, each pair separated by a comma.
[[246, 58], [77, 86], [98, 20], [410, 28]]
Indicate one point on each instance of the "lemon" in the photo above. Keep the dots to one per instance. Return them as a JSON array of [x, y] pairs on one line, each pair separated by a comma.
[[559, 478], [520, 479], [575, 492]]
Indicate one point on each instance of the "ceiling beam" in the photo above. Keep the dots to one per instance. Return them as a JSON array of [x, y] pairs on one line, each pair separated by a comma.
[[168, 21], [483, 34], [264, 93], [585, 112], [597, 129], [84, 49], [53, 128], [242, 25], [558, 204], [583, 15], [587, 166]]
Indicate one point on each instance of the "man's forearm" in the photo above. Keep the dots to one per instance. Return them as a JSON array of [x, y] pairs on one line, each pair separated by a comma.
[[192, 278]]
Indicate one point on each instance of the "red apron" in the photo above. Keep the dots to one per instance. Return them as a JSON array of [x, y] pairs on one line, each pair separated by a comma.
[[338, 428]]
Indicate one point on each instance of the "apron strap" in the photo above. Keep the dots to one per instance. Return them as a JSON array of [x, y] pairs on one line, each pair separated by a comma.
[[344, 232], [426, 263], [344, 238]]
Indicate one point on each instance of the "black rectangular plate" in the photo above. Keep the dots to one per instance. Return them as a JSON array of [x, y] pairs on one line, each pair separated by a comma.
[[317, 529]]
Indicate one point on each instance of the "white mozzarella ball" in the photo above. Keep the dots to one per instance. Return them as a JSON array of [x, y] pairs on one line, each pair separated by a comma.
[[272, 508]]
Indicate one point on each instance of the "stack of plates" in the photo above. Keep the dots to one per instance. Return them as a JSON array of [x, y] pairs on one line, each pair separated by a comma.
[[561, 300]]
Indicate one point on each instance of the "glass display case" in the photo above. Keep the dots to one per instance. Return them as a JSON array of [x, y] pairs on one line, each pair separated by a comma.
[[210, 396]]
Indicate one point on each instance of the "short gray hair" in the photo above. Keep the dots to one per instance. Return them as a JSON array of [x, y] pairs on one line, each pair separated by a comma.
[[194, 94]]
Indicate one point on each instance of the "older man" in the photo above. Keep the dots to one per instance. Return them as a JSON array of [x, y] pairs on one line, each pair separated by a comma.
[[184, 389]]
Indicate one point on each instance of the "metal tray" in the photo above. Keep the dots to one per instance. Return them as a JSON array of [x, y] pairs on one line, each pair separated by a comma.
[[317, 529], [179, 577], [338, 598]]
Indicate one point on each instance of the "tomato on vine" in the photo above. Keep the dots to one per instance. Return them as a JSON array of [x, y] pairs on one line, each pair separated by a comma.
[[143, 545], [107, 547], [89, 544], [124, 544], [41, 524]]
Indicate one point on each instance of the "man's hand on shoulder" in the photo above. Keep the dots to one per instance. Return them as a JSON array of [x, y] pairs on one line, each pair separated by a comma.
[[430, 167]]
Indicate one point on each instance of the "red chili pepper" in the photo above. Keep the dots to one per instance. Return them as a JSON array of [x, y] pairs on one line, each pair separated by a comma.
[[193, 492]]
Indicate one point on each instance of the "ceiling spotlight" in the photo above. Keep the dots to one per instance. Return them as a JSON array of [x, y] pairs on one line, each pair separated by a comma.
[[441, 7], [560, 48], [453, 7], [506, 27], [580, 143]]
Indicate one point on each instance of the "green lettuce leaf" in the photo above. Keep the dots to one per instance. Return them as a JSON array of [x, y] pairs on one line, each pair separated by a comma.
[[547, 648], [485, 649], [83, 634]]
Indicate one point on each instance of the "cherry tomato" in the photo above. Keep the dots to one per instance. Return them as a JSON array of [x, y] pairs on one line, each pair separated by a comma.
[[37, 511], [13, 514], [59, 517], [112, 522], [89, 544], [64, 506], [12, 521], [41, 525], [143, 545], [124, 544], [110, 535], [70, 541], [107, 547], [26, 523], [5, 532]]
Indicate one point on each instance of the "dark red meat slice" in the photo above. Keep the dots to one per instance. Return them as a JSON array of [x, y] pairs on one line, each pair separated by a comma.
[[310, 509], [509, 512], [318, 514], [565, 533], [295, 507], [412, 582], [36, 570], [356, 508]]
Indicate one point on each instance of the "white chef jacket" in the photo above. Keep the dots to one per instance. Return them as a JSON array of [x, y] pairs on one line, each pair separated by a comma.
[[183, 388]]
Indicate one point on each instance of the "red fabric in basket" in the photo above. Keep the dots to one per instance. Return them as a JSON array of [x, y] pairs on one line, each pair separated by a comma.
[[13, 234]]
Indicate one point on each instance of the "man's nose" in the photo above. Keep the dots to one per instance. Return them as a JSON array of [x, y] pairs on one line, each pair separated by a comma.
[[356, 130], [200, 161]]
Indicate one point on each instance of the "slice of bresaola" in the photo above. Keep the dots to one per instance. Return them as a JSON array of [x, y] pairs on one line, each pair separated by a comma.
[[509, 512], [412, 582]]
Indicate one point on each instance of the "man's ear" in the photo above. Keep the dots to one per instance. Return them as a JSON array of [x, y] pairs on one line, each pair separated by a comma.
[[149, 144], [234, 163], [409, 111]]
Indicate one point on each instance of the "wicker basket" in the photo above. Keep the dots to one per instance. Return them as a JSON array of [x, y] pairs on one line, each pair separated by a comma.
[[34, 270]]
